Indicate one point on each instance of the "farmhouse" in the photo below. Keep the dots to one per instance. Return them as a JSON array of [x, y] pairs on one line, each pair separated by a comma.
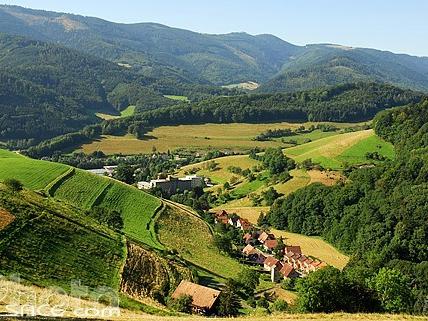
[[292, 249], [204, 298], [266, 236], [172, 185], [221, 217], [269, 245], [288, 271]]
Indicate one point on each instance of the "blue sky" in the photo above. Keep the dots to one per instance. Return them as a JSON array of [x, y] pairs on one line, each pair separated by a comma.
[[396, 25]]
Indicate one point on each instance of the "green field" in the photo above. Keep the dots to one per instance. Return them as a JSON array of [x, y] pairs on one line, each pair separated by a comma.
[[237, 137], [137, 209], [84, 190], [34, 174], [81, 189], [51, 245], [175, 97], [336, 151], [128, 111], [191, 237]]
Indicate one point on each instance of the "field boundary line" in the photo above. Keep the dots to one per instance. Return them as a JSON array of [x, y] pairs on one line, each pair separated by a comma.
[[56, 183]]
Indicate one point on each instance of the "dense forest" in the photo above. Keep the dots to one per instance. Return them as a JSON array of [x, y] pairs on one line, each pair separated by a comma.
[[349, 102], [380, 215]]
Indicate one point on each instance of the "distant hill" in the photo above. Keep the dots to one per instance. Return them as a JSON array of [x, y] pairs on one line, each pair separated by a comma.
[[160, 51], [48, 90], [321, 65]]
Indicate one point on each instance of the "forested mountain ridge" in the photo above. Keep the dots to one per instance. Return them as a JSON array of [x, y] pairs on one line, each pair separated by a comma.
[[379, 215], [324, 65], [48, 90], [160, 51]]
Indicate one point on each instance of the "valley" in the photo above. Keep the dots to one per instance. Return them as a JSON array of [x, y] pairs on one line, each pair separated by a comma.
[[169, 174]]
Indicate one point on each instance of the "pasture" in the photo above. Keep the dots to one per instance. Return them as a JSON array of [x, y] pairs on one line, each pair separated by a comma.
[[137, 208], [335, 152], [175, 97], [237, 137], [191, 237], [128, 111], [34, 174]]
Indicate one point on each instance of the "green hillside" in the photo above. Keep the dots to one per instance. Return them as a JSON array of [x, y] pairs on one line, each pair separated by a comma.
[[51, 244], [84, 190]]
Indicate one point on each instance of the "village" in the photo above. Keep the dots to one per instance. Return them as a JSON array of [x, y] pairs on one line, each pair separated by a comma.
[[264, 250]]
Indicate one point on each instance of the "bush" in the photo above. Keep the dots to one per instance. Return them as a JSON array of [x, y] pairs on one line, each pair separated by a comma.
[[280, 305], [13, 184], [181, 304]]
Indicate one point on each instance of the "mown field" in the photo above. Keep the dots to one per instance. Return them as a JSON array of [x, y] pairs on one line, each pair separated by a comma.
[[191, 237], [34, 174], [128, 111], [235, 137], [335, 152]]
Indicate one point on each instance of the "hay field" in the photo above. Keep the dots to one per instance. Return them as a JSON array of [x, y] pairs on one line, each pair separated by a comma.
[[34, 174], [236, 137]]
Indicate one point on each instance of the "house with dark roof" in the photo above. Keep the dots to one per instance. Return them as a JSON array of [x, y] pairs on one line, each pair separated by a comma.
[[243, 224], [204, 298]]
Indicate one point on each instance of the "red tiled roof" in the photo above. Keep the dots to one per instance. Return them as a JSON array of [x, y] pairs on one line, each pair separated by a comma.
[[294, 249], [287, 270], [265, 236], [203, 297], [270, 244], [271, 261], [249, 249]]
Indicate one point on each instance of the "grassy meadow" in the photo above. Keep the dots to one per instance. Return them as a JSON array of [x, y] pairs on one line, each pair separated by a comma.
[[128, 111], [238, 137], [175, 97], [84, 190], [34, 174], [336, 151], [191, 237]]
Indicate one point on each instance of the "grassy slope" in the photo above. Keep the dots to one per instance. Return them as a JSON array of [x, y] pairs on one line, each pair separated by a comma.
[[84, 190], [137, 208], [34, 174], [191, 237], [52, 244], [128, 111], [332, 152]]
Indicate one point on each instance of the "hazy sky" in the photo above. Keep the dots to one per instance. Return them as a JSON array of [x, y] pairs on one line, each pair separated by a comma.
[[396, 25]]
